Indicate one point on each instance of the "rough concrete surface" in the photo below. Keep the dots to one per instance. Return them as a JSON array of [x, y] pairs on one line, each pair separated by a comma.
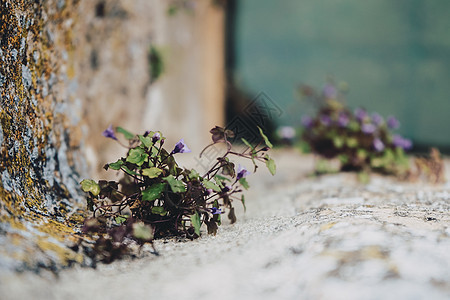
[[302, 237]]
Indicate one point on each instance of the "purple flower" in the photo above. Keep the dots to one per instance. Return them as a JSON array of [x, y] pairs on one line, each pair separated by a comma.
[[329, 91], [286, 132], [378, 145], [109, 133], [208, 192], [402, 142], [325, 120], [156, 137], [360, 114], [226, 188], [343, 120], [181, 147], [215, 211], [307, 121], [242, 172], [368, 128], [377, 119], [393, 123]]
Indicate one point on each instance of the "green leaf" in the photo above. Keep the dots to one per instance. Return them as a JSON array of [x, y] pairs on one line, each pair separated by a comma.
[[153, 192], [142, 231], [146, 140], [343, 158], [89, 185], [128, 135], [361, 153], [159, 210], [196, 222], [121, 219], [270, 163], [128, 171], [352, 142], [176, 185], [247, 144], [266, 139], [116, 165], [193, 174], [338, 142], [244, 183], [137, 156], [221, 178], [152, 172], [211, 185], [243, 202]]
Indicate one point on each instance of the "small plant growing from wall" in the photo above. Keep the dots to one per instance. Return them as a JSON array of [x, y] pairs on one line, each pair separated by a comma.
[[155, 63], [361, 141], [157, 198]]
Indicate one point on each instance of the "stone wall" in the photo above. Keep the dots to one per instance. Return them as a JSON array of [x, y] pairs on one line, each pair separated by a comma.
[[70, 68]]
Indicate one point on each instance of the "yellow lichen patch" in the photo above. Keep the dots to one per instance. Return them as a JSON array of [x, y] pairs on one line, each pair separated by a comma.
[[64, 254], [327, 226]]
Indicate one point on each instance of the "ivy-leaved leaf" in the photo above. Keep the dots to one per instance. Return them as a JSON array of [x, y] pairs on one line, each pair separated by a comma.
[[89, 185], [153, 192], [211, 185], [137, 156], [159, 210], [146, 141], [152, 172], [176, 185], [116, 165]]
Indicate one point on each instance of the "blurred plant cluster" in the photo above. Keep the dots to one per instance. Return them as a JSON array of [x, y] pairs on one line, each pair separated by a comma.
[[360, 140], [156, 198]]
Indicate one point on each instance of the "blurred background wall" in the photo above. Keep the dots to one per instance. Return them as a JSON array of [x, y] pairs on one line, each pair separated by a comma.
[[395, 56]]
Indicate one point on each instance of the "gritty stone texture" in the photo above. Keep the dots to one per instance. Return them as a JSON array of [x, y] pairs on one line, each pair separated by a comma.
[[301, 238], [40, 161]]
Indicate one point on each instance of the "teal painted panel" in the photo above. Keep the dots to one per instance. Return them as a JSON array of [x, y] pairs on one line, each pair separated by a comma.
[[394, 54]]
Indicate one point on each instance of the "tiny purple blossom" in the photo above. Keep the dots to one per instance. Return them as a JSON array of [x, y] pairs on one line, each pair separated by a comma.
[[307, 121], [325, 120], [360, 114], [242, 172], [393, 123], [368, 128], [156, 137], [378, 145], [329, 91], [402, 142], [109, 133], [343, 120], [181, 147], [377, 119], [215, 211], [209, 192]]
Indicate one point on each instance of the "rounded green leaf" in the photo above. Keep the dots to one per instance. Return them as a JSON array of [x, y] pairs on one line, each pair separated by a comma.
[[142, 231], [176, 185], [151, 172], [89, 185], [153, 192]]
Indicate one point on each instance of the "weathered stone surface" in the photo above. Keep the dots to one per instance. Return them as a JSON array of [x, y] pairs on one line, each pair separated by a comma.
[[329, 237], [40, 163]]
